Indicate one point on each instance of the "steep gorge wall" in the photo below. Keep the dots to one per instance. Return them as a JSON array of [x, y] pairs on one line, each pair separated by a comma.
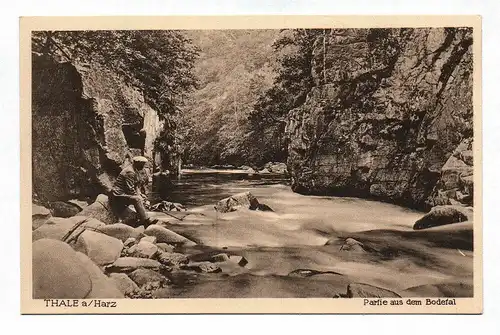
[[389, 109], [86, 125]]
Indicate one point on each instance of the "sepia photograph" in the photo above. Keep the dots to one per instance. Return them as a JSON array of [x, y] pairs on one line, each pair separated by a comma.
[[297, 162]]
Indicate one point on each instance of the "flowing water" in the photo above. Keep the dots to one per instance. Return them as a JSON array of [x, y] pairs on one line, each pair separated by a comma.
[[306, 232]]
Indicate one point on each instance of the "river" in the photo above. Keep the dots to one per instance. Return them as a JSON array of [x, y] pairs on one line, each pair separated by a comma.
[[307, 232]]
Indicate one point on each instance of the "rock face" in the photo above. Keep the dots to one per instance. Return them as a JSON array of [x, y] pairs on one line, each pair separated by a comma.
[[387, 110], [456, 184], [86, 124]]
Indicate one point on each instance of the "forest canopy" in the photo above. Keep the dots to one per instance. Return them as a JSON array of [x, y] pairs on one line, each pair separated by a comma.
[[249, 81], [157, 62]]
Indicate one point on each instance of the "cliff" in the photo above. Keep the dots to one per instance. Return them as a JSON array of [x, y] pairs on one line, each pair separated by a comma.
[[388, 110], [86, 124]]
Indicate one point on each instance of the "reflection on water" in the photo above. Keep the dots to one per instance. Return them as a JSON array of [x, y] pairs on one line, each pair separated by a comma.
[[198, 188]]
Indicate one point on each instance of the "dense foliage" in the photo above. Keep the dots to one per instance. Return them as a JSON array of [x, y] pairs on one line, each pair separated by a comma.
[[159, 63], [250, 80], [294, 50], [234, 68]]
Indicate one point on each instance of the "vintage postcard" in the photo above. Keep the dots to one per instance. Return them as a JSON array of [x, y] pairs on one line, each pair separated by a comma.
[[251, 164]]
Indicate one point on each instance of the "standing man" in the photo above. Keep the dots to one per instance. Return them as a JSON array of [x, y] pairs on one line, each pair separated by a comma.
[[127, 190]]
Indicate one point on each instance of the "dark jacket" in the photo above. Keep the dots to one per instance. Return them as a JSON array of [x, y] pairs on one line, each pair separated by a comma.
[[128, 182]]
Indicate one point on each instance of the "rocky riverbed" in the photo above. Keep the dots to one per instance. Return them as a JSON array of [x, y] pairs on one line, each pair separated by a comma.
[[299, 246]]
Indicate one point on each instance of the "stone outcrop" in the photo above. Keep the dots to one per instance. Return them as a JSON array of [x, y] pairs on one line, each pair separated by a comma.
[[443, 215], [241, 200], [102, 210], [86, 123], [164, 235], [387, 110], [456, 184]]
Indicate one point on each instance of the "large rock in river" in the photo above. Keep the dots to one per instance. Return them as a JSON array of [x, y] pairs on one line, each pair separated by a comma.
[[164, 235], [243, 200], [443, 215]]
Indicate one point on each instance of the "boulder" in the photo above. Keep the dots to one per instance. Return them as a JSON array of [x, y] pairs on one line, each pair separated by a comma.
[[126, 285], [78, 203], [264, 208], [357, 290], [279, 168], [240, 260], [58, 272], [58, 228], [219, 258], [121, 231], [39, 216], [102, 286], [172, 259], [143, 249], [164, 235], [100, 248], [351, 244], [126, 264], [165, 247], [150, 239], [64, 209], [101, 210], [205, 267], [240, 200], [129, 242], [443, 215], [142, 277]]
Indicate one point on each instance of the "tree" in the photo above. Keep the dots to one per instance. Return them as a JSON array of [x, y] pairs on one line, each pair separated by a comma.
[[292, 84], [158, 62]]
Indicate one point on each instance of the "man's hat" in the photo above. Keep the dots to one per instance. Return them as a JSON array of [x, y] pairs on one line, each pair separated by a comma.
[[141, 159]]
